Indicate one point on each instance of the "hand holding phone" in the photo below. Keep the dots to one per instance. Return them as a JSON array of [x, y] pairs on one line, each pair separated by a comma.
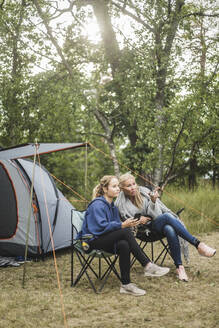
[[137, 216]]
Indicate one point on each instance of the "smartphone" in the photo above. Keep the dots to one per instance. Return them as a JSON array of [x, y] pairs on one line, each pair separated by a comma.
[[137, 216]]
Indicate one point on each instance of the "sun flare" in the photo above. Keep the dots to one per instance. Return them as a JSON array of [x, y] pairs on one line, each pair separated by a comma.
[[92, 32]]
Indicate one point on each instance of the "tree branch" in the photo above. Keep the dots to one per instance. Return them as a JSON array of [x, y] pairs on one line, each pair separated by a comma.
[[103, 121], [2, 4], [136, 18], [201, 14], [94, 134], [52, 38], [62, 11], [175, 148], [173, 27], [212, 75]]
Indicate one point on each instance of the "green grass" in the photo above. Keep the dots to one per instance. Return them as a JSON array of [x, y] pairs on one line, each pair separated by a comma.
[[201, 207]]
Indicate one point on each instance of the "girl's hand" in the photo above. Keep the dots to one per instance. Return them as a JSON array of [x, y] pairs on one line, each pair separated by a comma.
[[154, 194], [144, 219], [130, 223]]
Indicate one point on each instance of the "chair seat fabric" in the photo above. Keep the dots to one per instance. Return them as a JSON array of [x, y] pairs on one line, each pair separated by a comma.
[[96, 252]]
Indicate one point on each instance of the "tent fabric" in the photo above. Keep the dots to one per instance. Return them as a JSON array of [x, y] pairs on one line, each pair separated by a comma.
[[7, 205], [14, 243], [49, 209], [27, 150]]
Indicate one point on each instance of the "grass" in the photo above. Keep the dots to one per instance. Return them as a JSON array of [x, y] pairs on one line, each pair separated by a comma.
[[168, 302], [201, 207]]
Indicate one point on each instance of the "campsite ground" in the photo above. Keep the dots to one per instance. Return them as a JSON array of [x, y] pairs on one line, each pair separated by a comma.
[[168, 302]]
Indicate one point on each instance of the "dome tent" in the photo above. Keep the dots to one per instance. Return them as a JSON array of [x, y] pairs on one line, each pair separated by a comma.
[[49, 206]]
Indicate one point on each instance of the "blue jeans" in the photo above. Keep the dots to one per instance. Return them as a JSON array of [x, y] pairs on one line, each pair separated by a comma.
[[168, 226]]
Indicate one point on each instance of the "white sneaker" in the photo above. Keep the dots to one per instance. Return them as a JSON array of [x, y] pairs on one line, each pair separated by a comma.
[[153, 270], [132, 289]]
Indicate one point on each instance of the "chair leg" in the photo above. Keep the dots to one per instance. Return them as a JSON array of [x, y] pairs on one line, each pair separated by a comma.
[[72, 256], [72, 267], [86, 265], [111, 268], [153, 258], [165, 251], [99, 275], [152, 252]]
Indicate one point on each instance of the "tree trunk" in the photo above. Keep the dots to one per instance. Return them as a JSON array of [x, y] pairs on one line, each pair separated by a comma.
[[163, 53], [114, 158], [108, 137], [111, 47], [112, 51], [15, 119], [215, 175], [192, 173]]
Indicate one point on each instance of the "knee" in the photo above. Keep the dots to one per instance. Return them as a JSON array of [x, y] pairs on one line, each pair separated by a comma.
[[166, 217], [122, 246], [127, 234], [168, 230]]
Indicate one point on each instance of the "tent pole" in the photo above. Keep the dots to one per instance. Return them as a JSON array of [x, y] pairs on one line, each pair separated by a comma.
[[29, 213]]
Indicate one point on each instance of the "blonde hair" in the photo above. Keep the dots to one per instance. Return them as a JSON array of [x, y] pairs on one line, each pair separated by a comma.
[[104, 182], [138, 200]]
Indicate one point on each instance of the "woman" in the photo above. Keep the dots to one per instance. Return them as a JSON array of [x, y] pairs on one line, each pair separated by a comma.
[[133, 198], [104, 231]]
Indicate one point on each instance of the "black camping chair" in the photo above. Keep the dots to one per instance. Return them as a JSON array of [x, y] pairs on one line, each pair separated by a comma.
[[151, 238], [86, 258]]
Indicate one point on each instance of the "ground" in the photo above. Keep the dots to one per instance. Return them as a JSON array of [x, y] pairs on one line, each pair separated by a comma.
[[168, 303]]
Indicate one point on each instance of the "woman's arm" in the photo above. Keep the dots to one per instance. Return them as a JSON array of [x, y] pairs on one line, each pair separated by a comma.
[[99, 221]]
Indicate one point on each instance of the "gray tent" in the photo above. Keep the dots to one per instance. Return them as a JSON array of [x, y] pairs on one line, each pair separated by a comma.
[[48, 203]]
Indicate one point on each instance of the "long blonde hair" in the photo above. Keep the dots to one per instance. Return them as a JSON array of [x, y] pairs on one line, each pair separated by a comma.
[[138, 200], [104, 182]]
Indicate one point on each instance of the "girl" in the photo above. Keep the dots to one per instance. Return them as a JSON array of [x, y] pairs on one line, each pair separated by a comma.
[[106, 232]]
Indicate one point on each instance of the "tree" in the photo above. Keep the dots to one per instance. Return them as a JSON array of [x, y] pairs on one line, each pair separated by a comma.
[[14, 70], [155, 114]]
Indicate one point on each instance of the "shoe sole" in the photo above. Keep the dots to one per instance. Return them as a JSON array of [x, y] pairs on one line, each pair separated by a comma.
[[208, 256], [183, 280], [148, 274], [130, 293]]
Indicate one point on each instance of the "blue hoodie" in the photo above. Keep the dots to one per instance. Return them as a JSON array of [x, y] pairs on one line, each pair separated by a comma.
[[100, 217]]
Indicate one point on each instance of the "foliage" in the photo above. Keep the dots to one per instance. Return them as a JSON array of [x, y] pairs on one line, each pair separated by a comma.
[[145, 93]]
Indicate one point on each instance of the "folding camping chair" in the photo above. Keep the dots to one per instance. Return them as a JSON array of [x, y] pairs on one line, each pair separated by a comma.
[[151, 239], [86, 258]]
